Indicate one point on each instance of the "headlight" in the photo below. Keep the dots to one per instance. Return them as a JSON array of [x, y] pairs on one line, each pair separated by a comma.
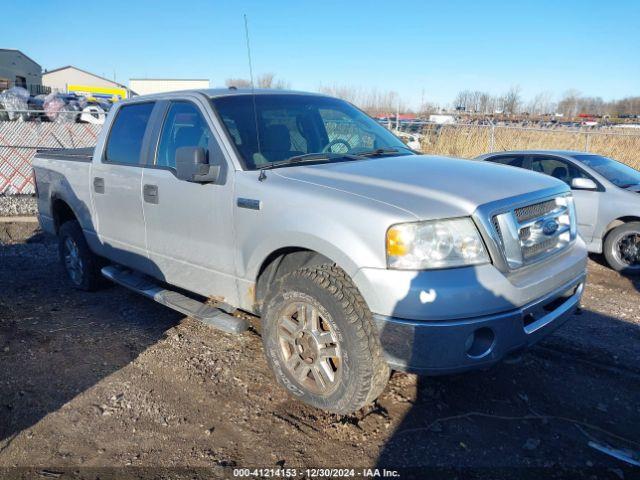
[[435, 244]]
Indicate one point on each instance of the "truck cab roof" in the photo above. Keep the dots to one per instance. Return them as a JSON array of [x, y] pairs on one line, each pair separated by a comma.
[[221, 92]]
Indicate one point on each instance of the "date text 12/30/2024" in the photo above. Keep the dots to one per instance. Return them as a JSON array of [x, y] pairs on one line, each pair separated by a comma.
[[314, 473]]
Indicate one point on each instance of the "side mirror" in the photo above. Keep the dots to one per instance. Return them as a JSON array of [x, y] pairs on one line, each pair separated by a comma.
[[583, 184], [192, 165]]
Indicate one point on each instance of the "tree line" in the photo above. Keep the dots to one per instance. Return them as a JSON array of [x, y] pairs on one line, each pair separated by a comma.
[[511, 102], [571, 104]]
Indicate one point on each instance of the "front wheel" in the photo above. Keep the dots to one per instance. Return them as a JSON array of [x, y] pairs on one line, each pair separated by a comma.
[[622, 248], [79, 262], [320, 340]]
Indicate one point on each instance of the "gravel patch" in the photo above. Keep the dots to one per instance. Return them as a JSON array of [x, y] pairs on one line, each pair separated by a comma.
[[15, 205]]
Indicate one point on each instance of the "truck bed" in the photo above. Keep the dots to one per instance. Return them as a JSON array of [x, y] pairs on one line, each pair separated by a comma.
[[71, 154], [63, 174]]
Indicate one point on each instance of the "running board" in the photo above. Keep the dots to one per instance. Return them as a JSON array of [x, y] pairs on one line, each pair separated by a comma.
[[208, 314]]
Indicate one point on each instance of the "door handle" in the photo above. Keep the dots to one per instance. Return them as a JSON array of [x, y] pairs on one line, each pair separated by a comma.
[[150, 193], [98, 185]]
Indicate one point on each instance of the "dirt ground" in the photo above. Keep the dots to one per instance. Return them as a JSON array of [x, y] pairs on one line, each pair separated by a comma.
[[111, 382]]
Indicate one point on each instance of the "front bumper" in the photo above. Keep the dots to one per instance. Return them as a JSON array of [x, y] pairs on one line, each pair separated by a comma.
[[466, 292], [443, 347]]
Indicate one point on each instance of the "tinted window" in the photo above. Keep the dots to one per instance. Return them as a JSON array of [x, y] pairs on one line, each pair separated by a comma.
[[556, 167], [513, 160], [184, 126], [125, 139], [274, 127], [617, 173]]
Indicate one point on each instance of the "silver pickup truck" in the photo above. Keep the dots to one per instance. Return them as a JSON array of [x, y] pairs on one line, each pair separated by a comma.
[[358, 254]]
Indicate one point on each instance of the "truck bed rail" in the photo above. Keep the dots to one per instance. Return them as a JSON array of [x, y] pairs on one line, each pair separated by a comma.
[[70, 154]]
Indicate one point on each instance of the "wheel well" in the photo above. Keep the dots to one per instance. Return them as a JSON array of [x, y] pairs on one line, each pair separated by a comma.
[[281, 262], [61, 212], [619, 221]]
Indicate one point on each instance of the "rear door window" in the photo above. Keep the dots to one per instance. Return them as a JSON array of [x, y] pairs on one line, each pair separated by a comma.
[[557, 168], [127, 132]]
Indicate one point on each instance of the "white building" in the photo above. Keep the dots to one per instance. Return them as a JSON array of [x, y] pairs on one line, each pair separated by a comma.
[[146, 86], [73, 79]]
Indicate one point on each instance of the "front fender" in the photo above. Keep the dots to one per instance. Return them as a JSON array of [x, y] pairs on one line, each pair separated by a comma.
[[342, 245]]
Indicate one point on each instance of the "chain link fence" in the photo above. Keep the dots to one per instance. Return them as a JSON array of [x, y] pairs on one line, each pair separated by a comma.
[[20, 140], [468, 141]]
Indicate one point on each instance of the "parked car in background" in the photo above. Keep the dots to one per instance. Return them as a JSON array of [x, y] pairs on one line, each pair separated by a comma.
[[607, 197], [358, 254], [411, 140]]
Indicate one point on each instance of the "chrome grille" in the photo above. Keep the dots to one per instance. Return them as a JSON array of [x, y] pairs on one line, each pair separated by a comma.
[[536, 210], [496, 225], [538, 248], [529, 234]]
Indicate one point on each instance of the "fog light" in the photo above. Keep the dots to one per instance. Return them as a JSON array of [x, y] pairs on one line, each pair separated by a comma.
[[479, 343]]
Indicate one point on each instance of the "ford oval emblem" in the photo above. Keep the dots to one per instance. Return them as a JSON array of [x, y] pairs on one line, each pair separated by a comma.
[[550, 227]]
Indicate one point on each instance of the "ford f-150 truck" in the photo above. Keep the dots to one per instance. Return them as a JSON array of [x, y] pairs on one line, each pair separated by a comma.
[[358, 254]]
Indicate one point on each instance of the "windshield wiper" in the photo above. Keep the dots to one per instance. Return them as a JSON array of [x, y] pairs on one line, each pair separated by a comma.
[[328, 156], [378, 152], [308, 158]]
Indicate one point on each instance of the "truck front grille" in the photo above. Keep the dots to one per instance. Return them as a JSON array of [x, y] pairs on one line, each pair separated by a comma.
[[531, 233], [536, 210], [533, 250]]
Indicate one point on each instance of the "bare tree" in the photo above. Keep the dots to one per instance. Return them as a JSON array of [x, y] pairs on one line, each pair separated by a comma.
[[569, 104], [487, 103], [266, 80], [475, 101], [625, 106], [511, 101], [463, 100], [541, 104], [573, 103], [346, 92], [372, 101], [237, 82], [427, 108]]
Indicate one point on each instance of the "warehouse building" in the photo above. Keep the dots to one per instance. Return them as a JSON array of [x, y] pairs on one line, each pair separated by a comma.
[[72, 79], [18, 70], [145, 86]]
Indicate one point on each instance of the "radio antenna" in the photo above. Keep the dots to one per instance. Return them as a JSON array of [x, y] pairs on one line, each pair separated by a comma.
[[246, 35], [253, 87]]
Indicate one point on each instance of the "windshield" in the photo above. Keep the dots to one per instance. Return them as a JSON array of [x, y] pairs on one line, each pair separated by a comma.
[[292, 125], [617, 173]]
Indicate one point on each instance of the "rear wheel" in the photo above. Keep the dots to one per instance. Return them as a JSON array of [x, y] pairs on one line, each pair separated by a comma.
[[622, 248], [81, 265], [320, 340]]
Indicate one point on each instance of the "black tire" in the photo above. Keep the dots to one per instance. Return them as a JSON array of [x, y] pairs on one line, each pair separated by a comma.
[[87, 274], [361, 372], [612, 248]]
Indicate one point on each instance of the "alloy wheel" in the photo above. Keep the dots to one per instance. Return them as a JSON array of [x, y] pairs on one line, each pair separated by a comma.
[[627, 250], [309, 347], [73, 261]]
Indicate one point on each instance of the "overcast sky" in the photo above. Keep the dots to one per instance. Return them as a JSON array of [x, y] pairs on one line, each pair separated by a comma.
[[421, 49]]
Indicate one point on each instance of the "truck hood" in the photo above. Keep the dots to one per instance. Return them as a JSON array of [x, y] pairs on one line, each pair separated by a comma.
[[428, 187]]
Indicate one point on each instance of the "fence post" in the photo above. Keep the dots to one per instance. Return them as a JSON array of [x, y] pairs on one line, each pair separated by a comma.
[[492, 139], [586, 142]]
